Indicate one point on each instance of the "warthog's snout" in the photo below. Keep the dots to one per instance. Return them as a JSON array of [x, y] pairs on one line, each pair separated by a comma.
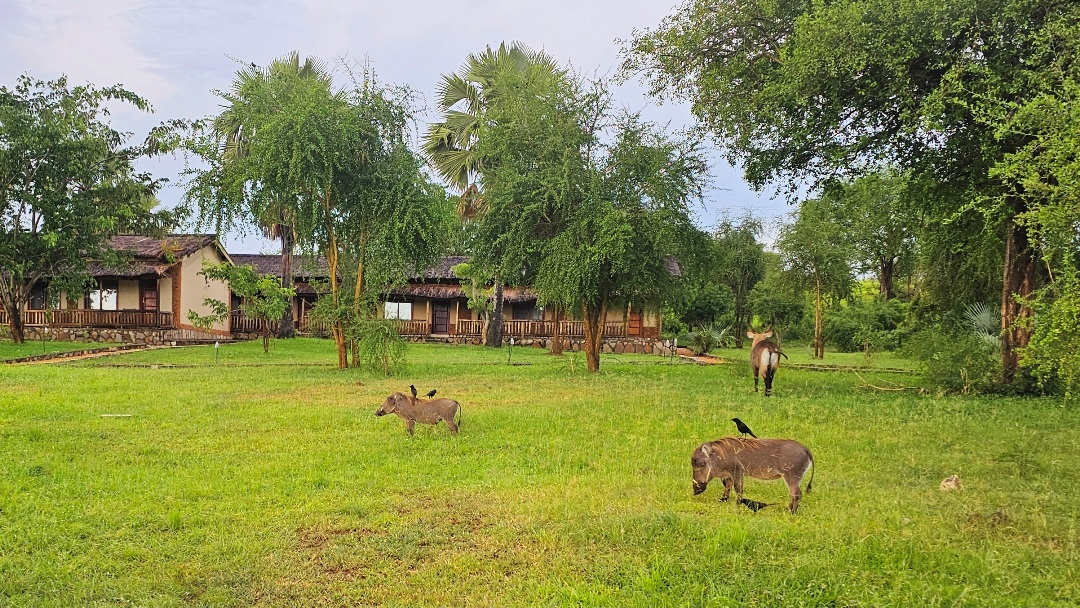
[[699, 487], [380, 412]]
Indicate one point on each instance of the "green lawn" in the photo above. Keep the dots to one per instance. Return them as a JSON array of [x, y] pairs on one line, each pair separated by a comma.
[[10, 350], [267, 480]]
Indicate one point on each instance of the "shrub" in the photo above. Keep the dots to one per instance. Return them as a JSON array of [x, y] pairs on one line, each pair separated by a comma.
[[955, 362], [866, 326], [707, 338]]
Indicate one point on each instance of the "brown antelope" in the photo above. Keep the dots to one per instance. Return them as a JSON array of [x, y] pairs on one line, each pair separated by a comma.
[[764, 357]]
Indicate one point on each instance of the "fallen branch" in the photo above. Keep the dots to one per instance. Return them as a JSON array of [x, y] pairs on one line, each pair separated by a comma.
[[896, 388]]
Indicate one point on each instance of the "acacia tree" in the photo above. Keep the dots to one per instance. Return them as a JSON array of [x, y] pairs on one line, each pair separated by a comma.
[[338, 160], [264, 298], [590, 206], [451, 144], [814, 256], [875, 212], [227, 143], [800, 90], [68, 184], [740, 264]]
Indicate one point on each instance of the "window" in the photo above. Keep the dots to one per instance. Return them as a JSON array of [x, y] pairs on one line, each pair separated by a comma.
[[39, 297], [398, 310], [527, 312], [103, 296]]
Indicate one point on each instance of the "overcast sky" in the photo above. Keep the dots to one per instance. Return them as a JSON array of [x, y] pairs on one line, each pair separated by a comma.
[[176, 52]]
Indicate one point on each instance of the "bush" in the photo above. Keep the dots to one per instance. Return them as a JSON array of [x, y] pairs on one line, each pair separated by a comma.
[[955, 362], [866, 326], [707, 338], [380, 347]]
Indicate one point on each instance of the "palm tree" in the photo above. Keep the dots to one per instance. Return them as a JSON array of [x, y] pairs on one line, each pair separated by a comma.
[[254, 85], [450, 145]]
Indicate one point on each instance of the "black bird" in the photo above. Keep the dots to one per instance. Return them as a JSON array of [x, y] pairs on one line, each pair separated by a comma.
[[754, 505], [745, 430], [413, 389], [431, 394]]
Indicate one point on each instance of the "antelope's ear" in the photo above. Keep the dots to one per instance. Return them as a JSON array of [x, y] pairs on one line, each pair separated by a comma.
[[768, 334], [750, 334]]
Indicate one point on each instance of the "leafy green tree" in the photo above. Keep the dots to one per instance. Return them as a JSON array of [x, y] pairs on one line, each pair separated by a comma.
[[815, 257], [804, 91], [263, 297], [451, 144], [876, 212], [475, 283], [68, 184], [740, 264], [776, 300], [589, 206], [340, 161]]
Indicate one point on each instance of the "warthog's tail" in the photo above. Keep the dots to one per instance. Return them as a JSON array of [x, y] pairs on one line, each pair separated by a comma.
[[458, 421], [810, 484]]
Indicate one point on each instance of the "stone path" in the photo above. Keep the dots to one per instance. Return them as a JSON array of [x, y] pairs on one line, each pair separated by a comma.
[[76, 355]]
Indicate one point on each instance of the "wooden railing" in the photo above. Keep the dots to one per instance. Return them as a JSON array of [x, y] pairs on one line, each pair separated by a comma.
[[241, 324], [93, 318], [530, 329], [413, 328]]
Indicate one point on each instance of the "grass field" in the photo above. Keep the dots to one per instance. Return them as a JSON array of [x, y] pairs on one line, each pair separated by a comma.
[[10, 350], [266, 480]]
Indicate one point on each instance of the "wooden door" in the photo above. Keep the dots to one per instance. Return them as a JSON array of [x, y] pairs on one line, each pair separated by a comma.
[[633, 325], [148, 294], [440, 317]]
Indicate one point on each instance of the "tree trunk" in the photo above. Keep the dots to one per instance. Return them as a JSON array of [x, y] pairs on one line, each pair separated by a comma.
[[266, 336], [337, 329], [885, 277], [740, 331], [1019, 281], [357, 293], [15, 323], [287, 327], [819, 327], [495, 327], [556, 333], [593, 324]]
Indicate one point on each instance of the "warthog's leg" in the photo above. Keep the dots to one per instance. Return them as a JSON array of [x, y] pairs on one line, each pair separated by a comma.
[[450, 424], [794, 489], [727, 489], [410, 423], [737, 480]]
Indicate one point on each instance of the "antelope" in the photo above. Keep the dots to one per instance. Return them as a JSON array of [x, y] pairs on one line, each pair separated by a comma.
[[764, 357]]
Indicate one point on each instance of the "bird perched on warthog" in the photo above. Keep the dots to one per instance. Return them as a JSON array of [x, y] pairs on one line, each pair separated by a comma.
[[764, 357], [731, 458], [413, 410]]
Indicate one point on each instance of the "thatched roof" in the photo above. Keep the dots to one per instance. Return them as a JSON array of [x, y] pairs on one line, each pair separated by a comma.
[[303, 267], [151, 256]]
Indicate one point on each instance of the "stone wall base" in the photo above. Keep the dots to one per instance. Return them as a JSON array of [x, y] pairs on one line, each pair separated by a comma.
[[150, 336], [643, 346]]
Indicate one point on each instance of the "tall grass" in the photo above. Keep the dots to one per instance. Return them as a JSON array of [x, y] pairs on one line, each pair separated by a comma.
[[267, 480]]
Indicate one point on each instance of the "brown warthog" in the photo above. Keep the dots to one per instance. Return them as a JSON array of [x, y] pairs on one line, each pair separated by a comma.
[[413, 410], [764, 357], [730, 458]]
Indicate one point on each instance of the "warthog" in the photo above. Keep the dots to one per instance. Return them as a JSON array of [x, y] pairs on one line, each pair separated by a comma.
[[413, 410], [764, 357], [730, 458]]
